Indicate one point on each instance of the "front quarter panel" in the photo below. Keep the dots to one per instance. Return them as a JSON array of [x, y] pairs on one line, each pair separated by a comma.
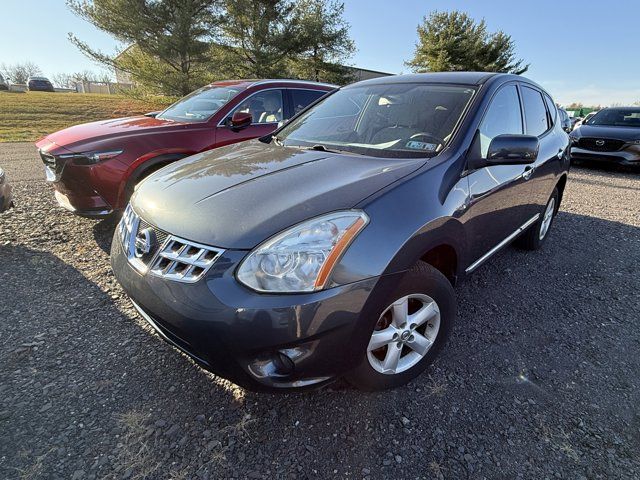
[[407, 220]]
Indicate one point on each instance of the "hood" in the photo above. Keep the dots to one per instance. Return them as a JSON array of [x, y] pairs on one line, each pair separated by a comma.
[[616, 133], [238, 196], [74, 137]]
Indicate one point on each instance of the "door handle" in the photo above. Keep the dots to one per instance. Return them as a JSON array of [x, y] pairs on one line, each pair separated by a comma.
[[528, 171]]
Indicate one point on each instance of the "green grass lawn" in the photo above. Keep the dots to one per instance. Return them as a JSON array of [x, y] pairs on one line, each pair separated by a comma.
[[25, 117]]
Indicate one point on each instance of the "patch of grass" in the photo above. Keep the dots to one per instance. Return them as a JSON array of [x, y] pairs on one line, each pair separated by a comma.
[[138, 453], [27, 116]]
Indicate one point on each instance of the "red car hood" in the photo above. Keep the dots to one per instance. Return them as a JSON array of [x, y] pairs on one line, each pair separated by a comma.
[[72, 138]]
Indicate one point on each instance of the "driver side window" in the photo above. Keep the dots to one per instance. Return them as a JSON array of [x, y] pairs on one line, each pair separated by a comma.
[[264, 107], [502, 117]]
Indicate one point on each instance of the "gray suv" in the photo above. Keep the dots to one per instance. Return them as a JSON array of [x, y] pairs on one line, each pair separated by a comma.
[[331, 247]]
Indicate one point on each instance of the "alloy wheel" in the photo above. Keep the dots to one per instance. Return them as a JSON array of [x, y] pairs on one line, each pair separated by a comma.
[[405, 332]]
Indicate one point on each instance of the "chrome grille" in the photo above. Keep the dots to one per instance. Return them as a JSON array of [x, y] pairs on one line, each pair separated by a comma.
[[168, 256], [183, 261]]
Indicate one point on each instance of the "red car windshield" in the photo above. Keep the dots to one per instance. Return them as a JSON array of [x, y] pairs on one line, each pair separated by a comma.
[[201, 105]]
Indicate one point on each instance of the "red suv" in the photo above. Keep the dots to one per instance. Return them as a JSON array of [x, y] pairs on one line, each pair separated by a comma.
[[94, 167]]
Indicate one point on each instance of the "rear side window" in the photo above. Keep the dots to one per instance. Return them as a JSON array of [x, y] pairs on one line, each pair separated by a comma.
[[302, 98], [535, 113], [551, 107], [502, 117]]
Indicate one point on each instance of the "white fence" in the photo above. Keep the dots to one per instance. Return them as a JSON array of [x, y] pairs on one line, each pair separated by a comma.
[[102, 87], [83, 87]]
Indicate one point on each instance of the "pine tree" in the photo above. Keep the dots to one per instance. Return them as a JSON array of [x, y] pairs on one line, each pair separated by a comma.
[[453, 41], [327, 42], [258, 37], [171, 39]]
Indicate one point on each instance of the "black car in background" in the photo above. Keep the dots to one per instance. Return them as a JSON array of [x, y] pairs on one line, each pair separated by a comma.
[[612, 135], [331, 247], [39, 84], [565, 121]]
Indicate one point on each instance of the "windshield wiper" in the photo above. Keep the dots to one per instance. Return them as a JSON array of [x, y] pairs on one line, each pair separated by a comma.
[[321, 148]]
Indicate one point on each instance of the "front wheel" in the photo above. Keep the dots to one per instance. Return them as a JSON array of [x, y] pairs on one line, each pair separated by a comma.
[[410, 331]]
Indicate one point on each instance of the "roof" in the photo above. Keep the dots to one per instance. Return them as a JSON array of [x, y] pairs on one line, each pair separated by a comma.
[[246, 83], [463, 78]]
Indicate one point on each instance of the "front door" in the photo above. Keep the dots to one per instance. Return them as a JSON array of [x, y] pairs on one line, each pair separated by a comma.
[[499, 195], [267, 110]]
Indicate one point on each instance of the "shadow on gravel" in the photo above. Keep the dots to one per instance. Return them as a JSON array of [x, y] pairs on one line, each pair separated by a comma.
[[542, 365], [600, 167], [103, 232]]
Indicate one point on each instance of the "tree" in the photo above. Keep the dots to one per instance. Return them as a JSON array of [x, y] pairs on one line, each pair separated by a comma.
[[259, 36], [327, 45], [171, 38], [453, 41], [20, 72]]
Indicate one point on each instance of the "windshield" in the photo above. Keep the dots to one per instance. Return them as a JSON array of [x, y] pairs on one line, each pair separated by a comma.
[[393, 120], [616, 117], [199, 106]]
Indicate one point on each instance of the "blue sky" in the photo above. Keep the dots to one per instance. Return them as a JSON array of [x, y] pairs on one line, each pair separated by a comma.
[[580, 50]]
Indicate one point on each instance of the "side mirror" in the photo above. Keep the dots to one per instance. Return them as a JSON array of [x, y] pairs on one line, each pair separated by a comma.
[[513, 150], [504, 150], [240, 120]]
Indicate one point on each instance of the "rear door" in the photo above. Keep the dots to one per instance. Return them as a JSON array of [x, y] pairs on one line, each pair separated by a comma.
[[541, 118], [267, 108], [300, 98], [499, 195]]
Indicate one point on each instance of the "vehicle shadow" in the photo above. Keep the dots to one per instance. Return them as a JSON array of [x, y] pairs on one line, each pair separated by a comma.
[[103, 231], [600, 167], [80, 373], [542, 360]]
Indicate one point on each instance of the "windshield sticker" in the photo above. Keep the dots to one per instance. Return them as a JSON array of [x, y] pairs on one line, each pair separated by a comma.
[[429, 147]]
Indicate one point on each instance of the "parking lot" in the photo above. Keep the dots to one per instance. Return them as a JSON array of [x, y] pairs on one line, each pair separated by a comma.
[[540, 379]]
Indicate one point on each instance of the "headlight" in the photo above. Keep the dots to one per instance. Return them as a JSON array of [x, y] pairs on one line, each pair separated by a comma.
[[90, 158], [301, 258]]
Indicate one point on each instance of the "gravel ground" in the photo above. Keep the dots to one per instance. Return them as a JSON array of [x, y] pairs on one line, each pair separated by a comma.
[[540, 380]]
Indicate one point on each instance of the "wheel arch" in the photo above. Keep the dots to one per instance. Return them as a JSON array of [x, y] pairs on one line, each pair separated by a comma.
[[440, 243], [145, 166], [562, 183]]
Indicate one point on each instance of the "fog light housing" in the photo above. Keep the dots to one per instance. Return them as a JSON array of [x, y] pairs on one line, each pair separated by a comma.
[[280, 363]]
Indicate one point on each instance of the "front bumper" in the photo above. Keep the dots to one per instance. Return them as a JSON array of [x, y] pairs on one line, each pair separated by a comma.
[[258, 341], [628, 156], [73, 188]]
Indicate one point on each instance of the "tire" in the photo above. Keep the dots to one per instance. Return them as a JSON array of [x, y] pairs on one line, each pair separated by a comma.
[[534, 237], [422, 285]]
